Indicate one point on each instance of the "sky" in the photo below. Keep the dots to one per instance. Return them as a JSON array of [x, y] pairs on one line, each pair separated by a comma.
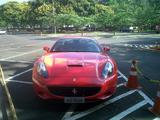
[[5, 1]]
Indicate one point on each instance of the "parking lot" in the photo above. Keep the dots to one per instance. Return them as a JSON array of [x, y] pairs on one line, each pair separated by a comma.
[[18, 53]]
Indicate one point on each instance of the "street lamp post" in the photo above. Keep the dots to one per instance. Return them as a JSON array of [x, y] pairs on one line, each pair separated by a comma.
[[54, 20]]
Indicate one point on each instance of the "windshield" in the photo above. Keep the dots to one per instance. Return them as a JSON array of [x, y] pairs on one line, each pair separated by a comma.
[[76, 45]]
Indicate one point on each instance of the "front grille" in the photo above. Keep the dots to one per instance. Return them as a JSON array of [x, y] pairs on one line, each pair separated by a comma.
[[74, 91]]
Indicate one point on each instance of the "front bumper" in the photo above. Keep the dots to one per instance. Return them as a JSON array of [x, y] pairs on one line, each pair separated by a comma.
[[106, 89]]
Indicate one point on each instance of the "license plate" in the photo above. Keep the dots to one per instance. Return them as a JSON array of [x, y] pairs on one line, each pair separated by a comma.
[[74, 100]]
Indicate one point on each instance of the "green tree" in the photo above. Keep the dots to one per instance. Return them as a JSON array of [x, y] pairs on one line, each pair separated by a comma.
[[104, 16], [15, 13], [2, 21], [113, 14], [44, 15]]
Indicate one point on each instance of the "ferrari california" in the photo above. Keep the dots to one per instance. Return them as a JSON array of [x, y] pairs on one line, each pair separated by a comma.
[[75, 70]]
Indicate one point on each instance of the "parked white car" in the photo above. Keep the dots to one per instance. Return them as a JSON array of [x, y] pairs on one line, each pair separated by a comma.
[[3, 31]]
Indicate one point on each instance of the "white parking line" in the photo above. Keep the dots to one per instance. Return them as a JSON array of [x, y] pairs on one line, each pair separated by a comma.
[[146, 97], [139, 91], [7, 49], [117, 38], [18, 74], [12, 48], [157, 118], [20, 46], [15, 61], [91, 110], [20, 55], [8, 44], [17, 81], [146, 46], [136, 46], [69, 112], [1, 118], [125, 78], [119, 85], [129, 110], [119, 76]]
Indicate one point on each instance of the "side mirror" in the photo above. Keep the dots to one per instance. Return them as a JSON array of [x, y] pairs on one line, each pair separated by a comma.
[[106, 49], [46, 48]]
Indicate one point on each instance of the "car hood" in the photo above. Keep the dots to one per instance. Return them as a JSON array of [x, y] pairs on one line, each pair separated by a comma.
[[75, 64]]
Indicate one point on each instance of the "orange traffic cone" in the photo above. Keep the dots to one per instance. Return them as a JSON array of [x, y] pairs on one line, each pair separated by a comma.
[[133, 78], [156, 107]]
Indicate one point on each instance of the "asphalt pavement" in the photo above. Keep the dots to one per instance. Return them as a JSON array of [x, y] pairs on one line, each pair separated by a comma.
[[18, 53]]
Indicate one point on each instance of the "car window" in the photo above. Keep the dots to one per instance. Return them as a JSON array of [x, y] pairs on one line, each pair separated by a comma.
[[76, 45]]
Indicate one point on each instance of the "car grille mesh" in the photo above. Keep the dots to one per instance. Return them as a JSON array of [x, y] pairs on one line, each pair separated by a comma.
[[74, 91]]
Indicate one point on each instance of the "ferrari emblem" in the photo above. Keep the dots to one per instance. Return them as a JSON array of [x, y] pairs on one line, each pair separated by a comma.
[[74, 79], [74, 91]]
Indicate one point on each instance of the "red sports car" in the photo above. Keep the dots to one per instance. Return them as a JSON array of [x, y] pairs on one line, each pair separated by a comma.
[[75, 70]]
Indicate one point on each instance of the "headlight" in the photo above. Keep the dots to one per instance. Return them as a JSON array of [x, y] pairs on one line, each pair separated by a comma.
[[107, 70], [41, 69]]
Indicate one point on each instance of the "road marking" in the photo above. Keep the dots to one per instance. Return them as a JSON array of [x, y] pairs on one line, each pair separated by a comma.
[[14, 48], [20, 55], [8, 45], [18, 74], [6, 49], [139, 91], [119, 76], [125, 45], [119, 85], [146, 97], [146, 46], [117, 38], [93, 109], [129, 110], [15, 61], [17, 81], [136, 46], [156, 118], [69, 112], [1, 118], [125, 78], [22, 46]]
